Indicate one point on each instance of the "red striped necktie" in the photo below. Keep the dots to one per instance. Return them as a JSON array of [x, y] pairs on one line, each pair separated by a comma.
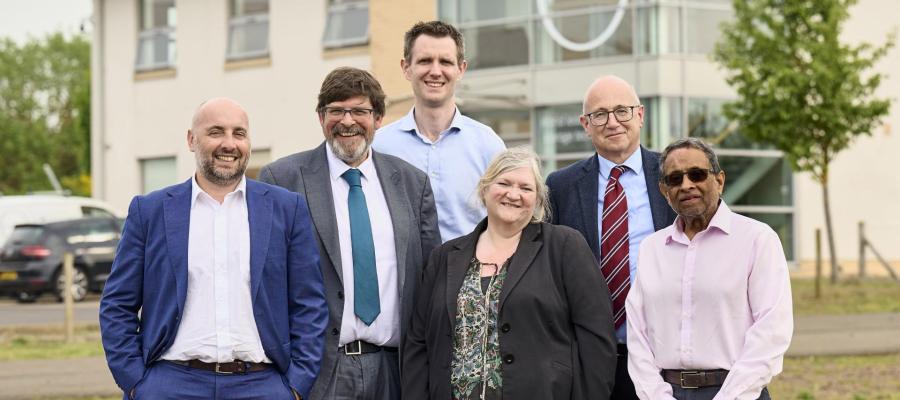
[[614, 243]]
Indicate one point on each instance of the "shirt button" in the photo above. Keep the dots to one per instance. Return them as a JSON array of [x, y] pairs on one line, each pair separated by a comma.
[[341, 294], [509, 359], [504, 328], [335, 331]]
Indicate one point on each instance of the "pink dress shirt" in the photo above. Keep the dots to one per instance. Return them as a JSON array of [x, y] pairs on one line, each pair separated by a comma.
[[721, 300]]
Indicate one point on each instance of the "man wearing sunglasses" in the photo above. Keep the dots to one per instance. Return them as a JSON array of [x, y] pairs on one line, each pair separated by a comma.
[[709, 315], [611, 197]]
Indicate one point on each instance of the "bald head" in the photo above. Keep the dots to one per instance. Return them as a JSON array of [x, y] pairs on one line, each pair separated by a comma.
[[609, 86], [218, 105]]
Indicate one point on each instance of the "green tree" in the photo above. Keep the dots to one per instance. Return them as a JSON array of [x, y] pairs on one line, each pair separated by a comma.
[[45, 112], [799, 87]]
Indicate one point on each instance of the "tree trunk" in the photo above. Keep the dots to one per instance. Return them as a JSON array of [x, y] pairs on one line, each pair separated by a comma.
[[829, 231]]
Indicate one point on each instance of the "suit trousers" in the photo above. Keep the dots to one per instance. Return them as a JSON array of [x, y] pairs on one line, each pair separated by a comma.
[[706, 393], [166, 380], [624, 387], [370, 376]]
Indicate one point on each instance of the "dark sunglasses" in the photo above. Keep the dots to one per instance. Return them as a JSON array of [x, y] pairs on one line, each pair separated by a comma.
[[696, 175]]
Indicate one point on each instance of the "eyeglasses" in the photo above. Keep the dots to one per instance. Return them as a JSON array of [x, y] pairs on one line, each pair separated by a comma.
[[622, 114], [338, 112], [696, 175]]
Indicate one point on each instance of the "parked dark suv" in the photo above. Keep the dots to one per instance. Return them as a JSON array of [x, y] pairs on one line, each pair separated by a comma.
[[31, 261]]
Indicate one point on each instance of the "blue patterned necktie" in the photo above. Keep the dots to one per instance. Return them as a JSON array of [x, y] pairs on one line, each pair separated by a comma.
[[365, 277]]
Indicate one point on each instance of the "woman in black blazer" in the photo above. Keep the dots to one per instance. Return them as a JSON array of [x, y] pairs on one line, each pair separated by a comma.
[[517, 309]]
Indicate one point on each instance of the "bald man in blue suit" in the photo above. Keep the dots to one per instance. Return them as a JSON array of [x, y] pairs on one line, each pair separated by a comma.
[[215, 291]]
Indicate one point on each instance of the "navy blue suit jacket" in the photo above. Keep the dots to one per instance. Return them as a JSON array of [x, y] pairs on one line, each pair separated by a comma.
[[150, 275], [574, 197]]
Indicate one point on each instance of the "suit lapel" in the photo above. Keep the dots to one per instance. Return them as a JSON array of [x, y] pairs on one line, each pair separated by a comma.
[[529, 244], [659, 207], [259, 213], [177, 215], [399, 208], [457, 263], [588, 192], [317, 184]]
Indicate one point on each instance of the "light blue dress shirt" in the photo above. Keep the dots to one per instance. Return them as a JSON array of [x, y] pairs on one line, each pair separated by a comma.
[[454, 164], [640, 219]]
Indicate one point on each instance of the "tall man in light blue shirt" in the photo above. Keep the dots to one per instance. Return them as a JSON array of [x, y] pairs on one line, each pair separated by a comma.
[[452, 149], [612, 119]]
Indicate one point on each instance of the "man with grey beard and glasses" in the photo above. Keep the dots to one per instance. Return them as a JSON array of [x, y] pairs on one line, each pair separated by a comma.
[[375, 222]]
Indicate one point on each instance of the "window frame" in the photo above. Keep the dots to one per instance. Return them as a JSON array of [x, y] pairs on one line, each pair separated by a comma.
[[244, 20], [332, 10], [151, 35]]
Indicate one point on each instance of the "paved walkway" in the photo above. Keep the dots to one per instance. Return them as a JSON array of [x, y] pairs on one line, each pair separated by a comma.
[[819, 335], [40, 379], [846, 334]]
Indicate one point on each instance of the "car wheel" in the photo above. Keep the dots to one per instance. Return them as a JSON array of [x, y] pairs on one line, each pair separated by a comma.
[[26, 297], [79, 287]]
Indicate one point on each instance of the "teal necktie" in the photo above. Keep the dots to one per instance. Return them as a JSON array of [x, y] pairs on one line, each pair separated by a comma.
[[365, 277]]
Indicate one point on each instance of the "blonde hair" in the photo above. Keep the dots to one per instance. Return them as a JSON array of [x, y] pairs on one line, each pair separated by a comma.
[[514, 158]]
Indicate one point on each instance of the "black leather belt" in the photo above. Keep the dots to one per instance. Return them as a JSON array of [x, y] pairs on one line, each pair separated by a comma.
[[358, 347], [234, 367], [694, 379]]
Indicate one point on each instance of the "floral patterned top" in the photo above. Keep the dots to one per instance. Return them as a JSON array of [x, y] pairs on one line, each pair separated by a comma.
[[475, 367]]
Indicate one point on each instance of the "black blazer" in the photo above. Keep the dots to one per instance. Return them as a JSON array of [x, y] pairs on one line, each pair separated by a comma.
[[574, 191], [555, 318]]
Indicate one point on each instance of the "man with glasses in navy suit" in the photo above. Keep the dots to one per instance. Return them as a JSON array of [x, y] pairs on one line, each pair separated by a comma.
[[612, 118]]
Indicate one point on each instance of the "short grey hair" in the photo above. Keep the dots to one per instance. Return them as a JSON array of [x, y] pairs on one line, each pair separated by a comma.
[[689, 143], [514, 158]]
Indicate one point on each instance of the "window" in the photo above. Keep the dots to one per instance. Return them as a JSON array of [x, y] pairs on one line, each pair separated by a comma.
[[582, 26], [702, 28], [92, 232], [347, 24], [157, 173], [496, 45], [512, 125], [658, 30], [156, 39], [248, 29]]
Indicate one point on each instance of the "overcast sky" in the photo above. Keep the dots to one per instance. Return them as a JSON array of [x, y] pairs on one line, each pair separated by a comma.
[[21, 19]]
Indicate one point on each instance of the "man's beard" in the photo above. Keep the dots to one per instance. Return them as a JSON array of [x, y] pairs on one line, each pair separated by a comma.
[[349, 153], [222, 177]]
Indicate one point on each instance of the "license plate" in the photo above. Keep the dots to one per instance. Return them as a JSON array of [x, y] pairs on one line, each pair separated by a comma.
[[8, 275]]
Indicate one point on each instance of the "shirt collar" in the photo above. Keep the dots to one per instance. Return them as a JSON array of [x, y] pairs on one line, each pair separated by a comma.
[[337, 167], [634, 162], [408, 122], [720, 221], [196, 190]]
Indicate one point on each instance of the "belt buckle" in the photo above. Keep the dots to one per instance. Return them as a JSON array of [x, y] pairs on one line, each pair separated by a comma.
[[689, 374], [353, 353], [220, 372]]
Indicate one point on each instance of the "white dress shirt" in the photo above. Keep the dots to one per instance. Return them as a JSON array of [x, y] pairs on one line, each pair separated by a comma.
[[217, 324], [385, 330], [719, 300]]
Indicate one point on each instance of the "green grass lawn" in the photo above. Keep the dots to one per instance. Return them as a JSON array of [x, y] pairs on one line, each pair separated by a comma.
[[839, 378], [30, 343], [848, 296]]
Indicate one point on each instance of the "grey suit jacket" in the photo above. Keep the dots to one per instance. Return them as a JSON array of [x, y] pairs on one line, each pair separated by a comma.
[[411, 204]]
